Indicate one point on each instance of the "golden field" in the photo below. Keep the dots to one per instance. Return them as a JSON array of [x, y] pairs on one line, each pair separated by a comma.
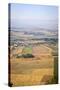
[[32, 71]]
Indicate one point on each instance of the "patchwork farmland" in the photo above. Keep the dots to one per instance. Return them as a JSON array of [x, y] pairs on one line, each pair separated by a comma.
[[32, 63]]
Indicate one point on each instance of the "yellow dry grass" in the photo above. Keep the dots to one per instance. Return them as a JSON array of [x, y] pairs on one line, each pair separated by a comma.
[[42, 58], [30, 79]]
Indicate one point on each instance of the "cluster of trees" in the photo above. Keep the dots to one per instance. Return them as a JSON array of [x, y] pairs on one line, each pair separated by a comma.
[[25, 56]]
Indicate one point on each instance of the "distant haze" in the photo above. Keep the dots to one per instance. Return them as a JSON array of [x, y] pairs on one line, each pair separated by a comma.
[[31, 16]]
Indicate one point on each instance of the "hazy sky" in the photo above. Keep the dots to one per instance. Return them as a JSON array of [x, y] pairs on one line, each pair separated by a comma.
[[23, 15]]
